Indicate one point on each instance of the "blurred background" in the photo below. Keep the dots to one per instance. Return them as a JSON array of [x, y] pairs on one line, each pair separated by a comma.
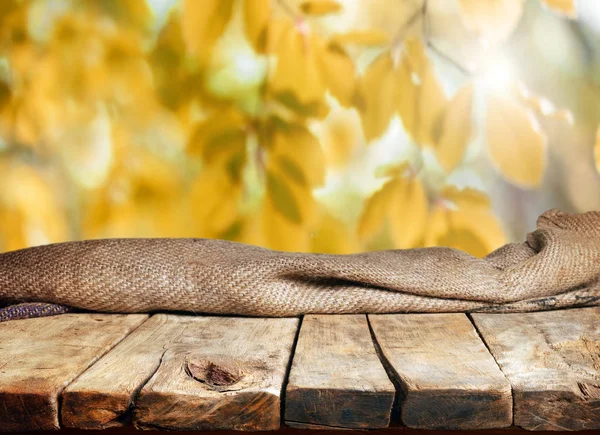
[[324, 126]]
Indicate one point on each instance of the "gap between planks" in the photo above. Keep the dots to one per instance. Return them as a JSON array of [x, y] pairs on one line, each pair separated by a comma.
[[445, 376], [494, 343], [182, 372], [44, 355]]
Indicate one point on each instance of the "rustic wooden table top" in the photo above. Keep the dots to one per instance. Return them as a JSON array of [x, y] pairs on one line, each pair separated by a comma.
[[395, 373]]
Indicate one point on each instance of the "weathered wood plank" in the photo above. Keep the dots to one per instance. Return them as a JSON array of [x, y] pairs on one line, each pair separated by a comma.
[[103, 396], [39, 357], [552, 360], [195, 373], [447, 379], [336, 379]]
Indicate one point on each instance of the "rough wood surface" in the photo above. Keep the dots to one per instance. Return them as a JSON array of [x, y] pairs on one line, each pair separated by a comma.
[[40, 357], [552, 360], [336, 379], [446, 377], [216, 373], [103, 396]]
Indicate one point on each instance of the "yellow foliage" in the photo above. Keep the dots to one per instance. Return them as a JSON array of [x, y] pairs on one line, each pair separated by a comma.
[[257, 14], [278, 232], [541, 105], [421, 97], [219, 137], [140, 198], [491, 20], [307, 66], [338, 71], [516, 144], [333, 236], [475, 233], [408, 212], [214, 202], [453, 129], [564, 7], [341, 137], [409, 89], [371, 37], [378, 96], [400, 206], [202, 24], [111, 125], [597, 150], [297, 69], [174, 84], [463, 220], [30, 210], [320, 7], [298, 154]]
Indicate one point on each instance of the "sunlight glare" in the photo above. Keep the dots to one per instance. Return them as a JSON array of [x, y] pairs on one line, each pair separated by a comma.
[[498, 76]]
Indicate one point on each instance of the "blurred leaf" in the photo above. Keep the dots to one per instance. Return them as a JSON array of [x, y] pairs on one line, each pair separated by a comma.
[[256, 19], [597, 150], [564, 7], [408, 212], [341, 136], [174, 83], [467, 198], [378, 96], [371, 37], [214, 198], [315, 109], [320, 7], [541, 105], [332, 236], [7, 10], [282, 198], [273, 230], [203, 22], [292, 170], [516, 144], [30, 209], [373, 218], [422, 100], [400, 205], [457, 230], [301, 148], [392, 170], [338, 71], [454, 129], [298, 71], [141, 199], [131, 13], [219, 136], [491, 20], [5, 94], [469, 228]]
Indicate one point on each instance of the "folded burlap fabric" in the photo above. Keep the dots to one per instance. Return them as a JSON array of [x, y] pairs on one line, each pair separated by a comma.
[[557, 266]]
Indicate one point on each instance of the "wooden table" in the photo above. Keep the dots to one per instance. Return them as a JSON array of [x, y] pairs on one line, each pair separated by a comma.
[[394, 372]]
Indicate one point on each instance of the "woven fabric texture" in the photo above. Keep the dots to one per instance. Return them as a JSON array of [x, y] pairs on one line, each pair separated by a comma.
[[558, 266]]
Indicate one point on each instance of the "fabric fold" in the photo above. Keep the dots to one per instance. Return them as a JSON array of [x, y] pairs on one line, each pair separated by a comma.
[[558, 266]]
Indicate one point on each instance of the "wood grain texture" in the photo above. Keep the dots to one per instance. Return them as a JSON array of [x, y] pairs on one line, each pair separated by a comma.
[[40, 357], [552, 360], [446, 377], [103, 396], [336, 379], [217, 373]]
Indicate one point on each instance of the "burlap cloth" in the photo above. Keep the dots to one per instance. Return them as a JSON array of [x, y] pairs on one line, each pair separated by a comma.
[[557, 266]]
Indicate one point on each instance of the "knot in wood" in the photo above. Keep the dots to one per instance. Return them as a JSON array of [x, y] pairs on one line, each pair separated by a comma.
[[216, 375]]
